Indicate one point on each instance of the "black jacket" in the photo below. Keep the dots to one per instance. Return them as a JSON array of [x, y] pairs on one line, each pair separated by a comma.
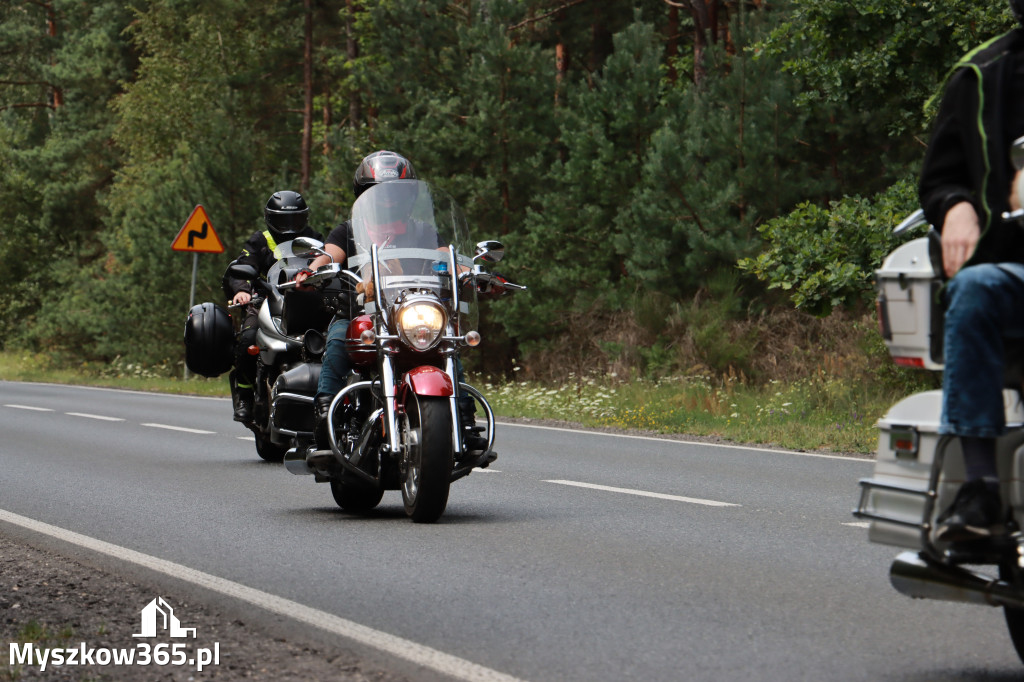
[[258, 251], [968, 155]]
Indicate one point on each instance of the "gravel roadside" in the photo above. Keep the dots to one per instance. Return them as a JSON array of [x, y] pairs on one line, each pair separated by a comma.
[[57, 602]]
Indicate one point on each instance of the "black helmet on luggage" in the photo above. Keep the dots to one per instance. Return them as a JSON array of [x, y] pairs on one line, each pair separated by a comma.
[[380, 167], [286, 215], [209, 340]]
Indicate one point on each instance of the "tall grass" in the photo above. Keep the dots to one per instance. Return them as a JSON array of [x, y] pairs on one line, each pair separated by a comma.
[[817, 413], [164, 378]]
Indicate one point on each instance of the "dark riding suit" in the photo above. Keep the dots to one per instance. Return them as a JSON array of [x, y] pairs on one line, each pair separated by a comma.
[[259, 251]]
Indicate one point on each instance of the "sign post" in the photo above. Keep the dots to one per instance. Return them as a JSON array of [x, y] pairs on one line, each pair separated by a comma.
[[197, 236]]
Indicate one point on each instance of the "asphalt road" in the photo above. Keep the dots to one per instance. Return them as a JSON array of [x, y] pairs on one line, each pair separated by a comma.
[[581, 556]]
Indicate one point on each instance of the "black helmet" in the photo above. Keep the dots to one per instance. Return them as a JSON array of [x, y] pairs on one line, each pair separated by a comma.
[[286, 214], [380, 167], [1017, 7]]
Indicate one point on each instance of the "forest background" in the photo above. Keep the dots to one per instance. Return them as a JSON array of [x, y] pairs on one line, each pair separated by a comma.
[[696, 188]]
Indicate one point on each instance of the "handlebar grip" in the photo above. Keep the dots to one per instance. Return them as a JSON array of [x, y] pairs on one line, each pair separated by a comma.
[[255, 300]]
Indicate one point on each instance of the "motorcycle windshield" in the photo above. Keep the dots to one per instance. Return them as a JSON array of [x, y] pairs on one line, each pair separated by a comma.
[[418, 230], [288, 262]]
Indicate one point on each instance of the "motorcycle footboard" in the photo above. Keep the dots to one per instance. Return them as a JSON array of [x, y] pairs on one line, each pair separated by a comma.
[[481, 461]]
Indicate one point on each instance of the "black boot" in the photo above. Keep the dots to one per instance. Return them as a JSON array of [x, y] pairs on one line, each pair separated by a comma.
[[322, 406], [472, 441], [243, 405]]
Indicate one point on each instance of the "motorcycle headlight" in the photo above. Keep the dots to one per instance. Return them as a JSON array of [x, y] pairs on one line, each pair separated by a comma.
[[420, 324]]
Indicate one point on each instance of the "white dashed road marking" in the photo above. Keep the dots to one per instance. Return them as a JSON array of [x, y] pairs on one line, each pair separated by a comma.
[[644, 493], [179, 428]]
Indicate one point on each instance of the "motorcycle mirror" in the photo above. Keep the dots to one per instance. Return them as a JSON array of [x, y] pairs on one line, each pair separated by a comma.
[[490, 251], [241, 271], [1017, 153], [248, 273], [304, 247]]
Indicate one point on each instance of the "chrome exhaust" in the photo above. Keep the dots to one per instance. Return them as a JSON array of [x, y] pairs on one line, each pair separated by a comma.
[[295, 462], [922, 578]]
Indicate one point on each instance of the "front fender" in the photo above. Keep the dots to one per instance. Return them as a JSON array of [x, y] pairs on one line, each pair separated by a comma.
[[428, 380]]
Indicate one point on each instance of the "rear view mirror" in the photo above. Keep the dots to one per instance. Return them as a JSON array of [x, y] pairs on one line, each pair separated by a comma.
[[304, 247], [490, 251], [242, 271]]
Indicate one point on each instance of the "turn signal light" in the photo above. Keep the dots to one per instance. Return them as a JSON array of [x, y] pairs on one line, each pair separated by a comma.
[[473, 339], [253, 350]]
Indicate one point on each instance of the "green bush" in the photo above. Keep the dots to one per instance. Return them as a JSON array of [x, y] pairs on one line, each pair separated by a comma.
[[826, 257]]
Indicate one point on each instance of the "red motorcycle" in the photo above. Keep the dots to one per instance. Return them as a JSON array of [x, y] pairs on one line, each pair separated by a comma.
[[399, 423]]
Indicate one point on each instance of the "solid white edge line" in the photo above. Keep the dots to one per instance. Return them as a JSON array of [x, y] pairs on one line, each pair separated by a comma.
[[419, 654], [29, 407], [118, 390], [644, 493], [178, 428], [687, 442], [857, 524], [94, 416]]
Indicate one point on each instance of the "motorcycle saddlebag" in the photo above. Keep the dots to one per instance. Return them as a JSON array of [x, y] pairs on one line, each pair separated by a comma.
[[209, 340], [910, 315], [292, 398]]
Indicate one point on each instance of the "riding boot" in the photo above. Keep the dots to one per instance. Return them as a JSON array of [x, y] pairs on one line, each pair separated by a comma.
[[471, 438], [242, 397], [321, 424]]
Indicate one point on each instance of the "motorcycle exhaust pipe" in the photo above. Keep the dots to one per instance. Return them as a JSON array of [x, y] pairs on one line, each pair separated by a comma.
[[295, 462], [921, 578]]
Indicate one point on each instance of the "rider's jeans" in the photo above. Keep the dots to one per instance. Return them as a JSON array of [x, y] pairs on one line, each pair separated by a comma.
[[985, 309], [336, 363]]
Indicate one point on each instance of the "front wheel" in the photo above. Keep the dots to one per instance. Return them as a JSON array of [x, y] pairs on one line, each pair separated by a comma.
[[269, 451], [426, 474]]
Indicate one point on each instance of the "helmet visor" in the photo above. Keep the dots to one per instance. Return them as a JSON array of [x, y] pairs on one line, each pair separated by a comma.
[[287, 222]]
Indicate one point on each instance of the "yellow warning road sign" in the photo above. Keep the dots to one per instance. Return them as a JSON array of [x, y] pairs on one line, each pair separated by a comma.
[[197, 234]]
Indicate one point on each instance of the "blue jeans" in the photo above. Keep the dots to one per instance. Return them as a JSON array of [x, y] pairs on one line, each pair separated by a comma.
[[985, 309], [336, 363]]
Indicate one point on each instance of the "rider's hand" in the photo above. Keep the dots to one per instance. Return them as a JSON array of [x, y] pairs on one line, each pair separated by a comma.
[[492, 288], [241, 298], [960, 234], [301, 276]]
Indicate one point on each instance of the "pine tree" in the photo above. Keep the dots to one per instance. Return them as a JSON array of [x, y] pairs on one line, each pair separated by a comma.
[[63, 63]]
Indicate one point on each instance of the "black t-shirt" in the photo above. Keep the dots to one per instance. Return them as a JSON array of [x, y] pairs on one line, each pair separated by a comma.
[[341, 236]]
